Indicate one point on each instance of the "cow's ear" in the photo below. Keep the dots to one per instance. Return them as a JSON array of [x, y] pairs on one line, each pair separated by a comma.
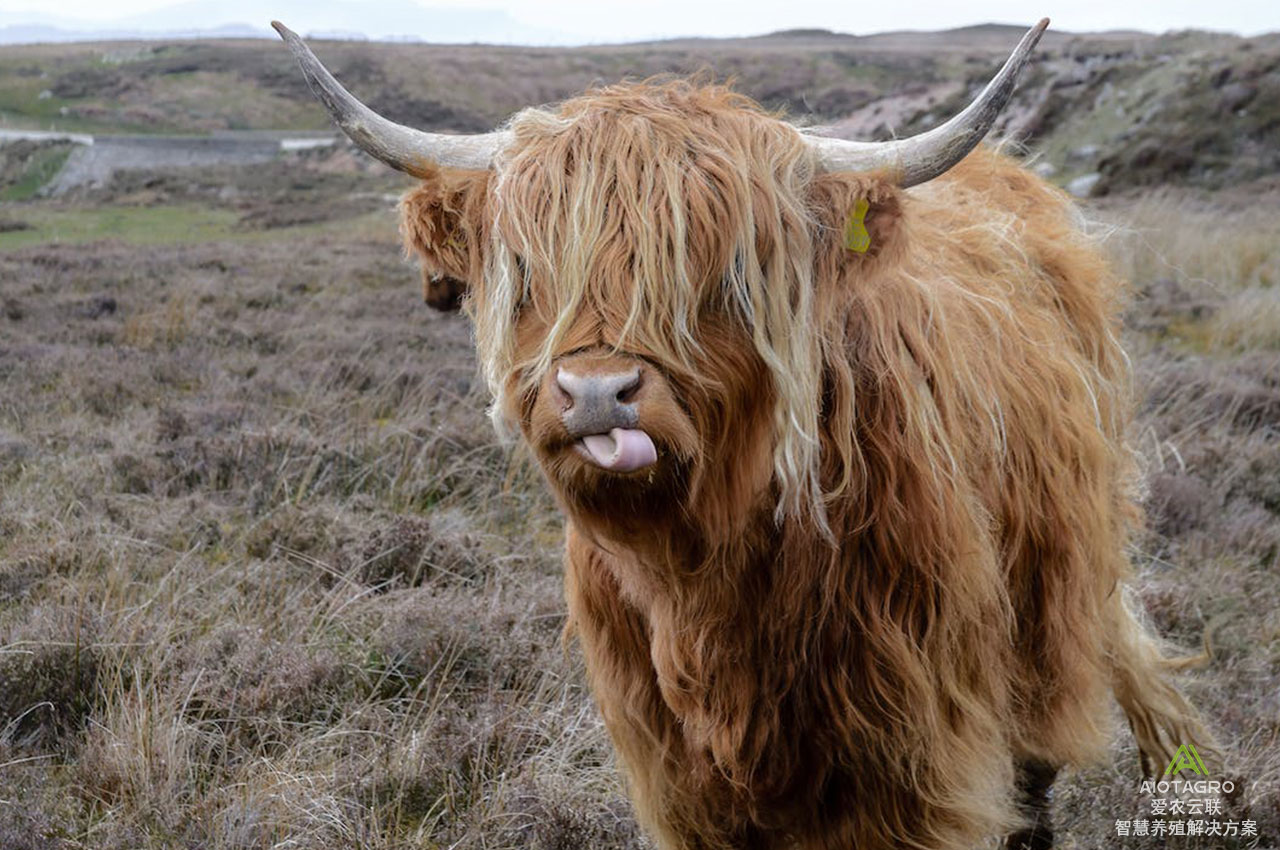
[[860, 218], [443, 222]]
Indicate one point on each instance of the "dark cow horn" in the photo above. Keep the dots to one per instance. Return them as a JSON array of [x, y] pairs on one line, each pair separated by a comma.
[[400, 147], [925, 156]]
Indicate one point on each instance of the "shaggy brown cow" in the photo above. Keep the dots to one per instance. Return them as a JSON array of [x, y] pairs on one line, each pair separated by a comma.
[[842, 464]]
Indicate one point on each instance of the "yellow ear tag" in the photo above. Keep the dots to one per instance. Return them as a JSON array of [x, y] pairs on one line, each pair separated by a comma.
[[856, 237]]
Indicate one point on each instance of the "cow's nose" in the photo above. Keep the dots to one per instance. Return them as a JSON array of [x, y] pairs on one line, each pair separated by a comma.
[[596, 403]]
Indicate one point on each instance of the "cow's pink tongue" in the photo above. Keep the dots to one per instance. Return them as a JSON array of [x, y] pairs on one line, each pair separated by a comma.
[[621, 450]]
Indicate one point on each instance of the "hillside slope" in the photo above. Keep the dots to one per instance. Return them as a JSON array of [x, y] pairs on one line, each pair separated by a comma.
[[1136, 109]]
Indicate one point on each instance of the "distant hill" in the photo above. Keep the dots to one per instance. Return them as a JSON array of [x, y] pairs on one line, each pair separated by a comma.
[[1131, 108]]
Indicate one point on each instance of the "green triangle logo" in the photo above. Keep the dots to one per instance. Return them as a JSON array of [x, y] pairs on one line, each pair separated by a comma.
[[1186, 758]]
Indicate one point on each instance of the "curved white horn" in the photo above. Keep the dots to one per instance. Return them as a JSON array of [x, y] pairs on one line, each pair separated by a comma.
[[400, 147], [925, 156]]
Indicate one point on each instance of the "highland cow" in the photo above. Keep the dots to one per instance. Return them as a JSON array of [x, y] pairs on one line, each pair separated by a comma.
[[838, 432]]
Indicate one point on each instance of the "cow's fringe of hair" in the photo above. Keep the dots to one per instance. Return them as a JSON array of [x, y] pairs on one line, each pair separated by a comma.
[[564, 228]]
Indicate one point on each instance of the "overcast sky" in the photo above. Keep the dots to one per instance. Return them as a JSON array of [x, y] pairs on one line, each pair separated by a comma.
[[622, 20]]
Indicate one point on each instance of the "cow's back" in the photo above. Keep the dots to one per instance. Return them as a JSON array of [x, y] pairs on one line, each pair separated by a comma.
[[1044, 394]]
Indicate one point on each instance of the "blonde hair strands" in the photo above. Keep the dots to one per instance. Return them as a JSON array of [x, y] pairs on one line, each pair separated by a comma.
[[614, 205]]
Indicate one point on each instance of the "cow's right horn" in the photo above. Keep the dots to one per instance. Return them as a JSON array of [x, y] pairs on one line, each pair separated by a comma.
[[926, 155], [400, 147]]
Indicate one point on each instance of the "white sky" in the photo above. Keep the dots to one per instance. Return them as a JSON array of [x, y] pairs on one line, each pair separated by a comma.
[[614, 20]]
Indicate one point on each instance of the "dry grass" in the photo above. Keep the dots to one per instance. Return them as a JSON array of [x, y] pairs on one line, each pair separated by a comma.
[[267, 581], [1209, 438], [1248, 319], [1214, 243]]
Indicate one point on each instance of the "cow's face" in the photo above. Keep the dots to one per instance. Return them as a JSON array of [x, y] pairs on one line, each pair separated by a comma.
[[633, 438], [653, 245], [640, 269]]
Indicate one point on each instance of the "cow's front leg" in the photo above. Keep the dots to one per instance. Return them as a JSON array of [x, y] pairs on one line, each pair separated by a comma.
[[1035, 779]]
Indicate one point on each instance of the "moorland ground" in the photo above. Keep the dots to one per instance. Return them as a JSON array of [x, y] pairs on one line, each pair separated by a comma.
[[267, 579]]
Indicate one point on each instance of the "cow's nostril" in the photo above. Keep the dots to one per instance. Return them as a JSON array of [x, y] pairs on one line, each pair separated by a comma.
[[596, 403], [627, 392]]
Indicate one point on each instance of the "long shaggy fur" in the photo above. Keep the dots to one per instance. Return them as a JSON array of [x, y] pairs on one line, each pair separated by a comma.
[[649, 238], [889, 562]]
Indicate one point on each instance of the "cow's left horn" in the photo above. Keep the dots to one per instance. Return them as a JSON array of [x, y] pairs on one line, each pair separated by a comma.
[[400, 147], [925, 156]]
